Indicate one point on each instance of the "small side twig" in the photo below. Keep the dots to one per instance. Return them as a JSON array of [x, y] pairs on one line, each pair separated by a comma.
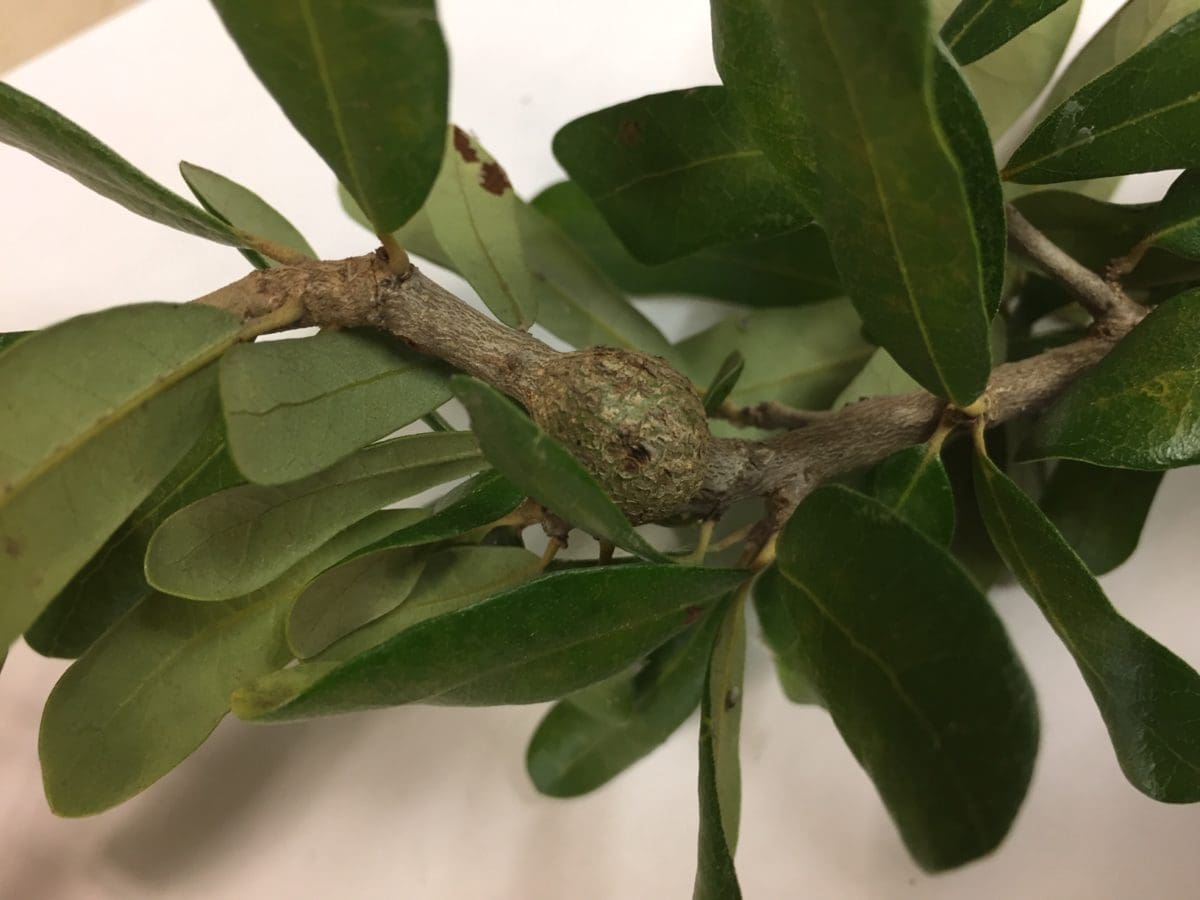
[[1104, 299], [769, 415]]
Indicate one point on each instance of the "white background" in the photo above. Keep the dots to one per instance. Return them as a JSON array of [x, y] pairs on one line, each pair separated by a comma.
[[434, 803]]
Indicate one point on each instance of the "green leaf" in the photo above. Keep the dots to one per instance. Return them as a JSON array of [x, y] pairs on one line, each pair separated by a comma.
[[720, 781], [452, 579], [755, 64], [978, 27], [783, 638], [150, 691], [1177, 217], [30, 125], [543, 468], [1008, 81], [237, 540], [245, 211], [1132, 27], [478, 502], [575, 301], [801, 357], [916, 670], [592, 736], [724, 381], [114, 581], [97, 411], [295, 407], [536, 642], [349, 595], [914, 485], [1139, 407], [10, 338], [967, 132], [364, 81], [1148, 696], [894, 206], [677, 172], [1100, 512], [880, 377], [781, 270], [474, 216], [1136, 118]]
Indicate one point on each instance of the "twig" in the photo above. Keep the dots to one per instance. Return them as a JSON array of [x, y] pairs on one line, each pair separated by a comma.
[[1105, 300], [769, 415]]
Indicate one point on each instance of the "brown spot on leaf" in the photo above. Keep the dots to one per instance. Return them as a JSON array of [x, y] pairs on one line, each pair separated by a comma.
[[494, 179], [12, 547], [629, 132], [732, 697], [693, 614], [462, 143]]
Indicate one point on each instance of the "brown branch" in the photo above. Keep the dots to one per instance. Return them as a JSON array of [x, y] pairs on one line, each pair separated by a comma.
[[1105, 300], [769, 415], [786, 467], [363, 292]]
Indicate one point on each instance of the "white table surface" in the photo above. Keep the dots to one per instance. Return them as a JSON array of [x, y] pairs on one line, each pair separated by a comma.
[[434, 803]]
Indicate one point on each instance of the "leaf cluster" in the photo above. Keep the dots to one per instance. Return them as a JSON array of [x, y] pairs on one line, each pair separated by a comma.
[[206, 523]]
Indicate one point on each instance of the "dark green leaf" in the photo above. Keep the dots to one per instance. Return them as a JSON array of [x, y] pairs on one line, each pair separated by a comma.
[[1139, 407], [678, 172], [800, 357], [724, 381], [1100, 512], [894, 206], [782, 636], [536, 642], [295, 407], [10, 338], [364, 81], [349, 595], [543, 468], [1131, 28], [916, 670], [245, 211], [914, 485], [782, 270], [97, 411], [149, 692], [114, 581], [591, 737], [238, 540], [1177, 217], [474, 216], [977, 27], [32, 126], [720, 781], [575, 301], [1149, 697], [1008, 81], [1140, 117], [452, 579], [967, 133], [476, 503], [755, 64]]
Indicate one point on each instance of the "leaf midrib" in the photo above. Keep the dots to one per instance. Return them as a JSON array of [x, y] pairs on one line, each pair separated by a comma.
[[156, 388]]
